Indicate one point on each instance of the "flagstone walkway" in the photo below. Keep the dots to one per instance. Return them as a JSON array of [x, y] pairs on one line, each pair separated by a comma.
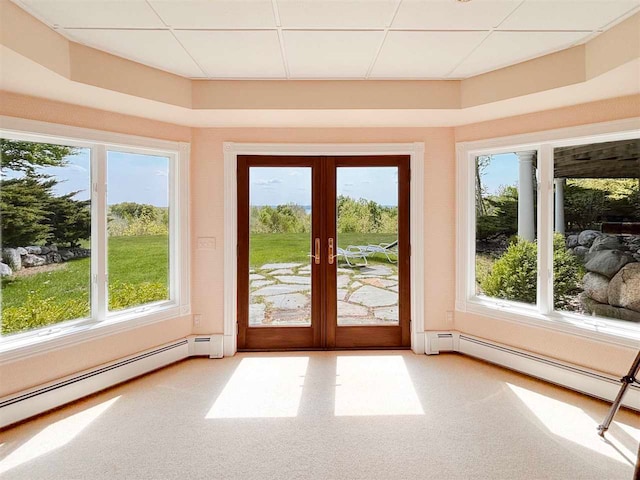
[[280, 294]]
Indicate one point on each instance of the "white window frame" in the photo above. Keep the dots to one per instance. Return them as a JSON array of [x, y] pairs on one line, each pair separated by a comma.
[[102, 322], [542, 314]]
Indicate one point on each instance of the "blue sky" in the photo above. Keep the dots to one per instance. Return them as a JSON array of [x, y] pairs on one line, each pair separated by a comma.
[[130, 177], [280, 185], [501, 171]]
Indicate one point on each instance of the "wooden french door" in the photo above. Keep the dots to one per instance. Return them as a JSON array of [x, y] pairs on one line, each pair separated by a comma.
[[323, 252]]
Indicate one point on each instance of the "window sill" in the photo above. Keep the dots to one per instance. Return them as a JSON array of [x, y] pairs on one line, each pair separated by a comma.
[[54, 338], [593, 328]]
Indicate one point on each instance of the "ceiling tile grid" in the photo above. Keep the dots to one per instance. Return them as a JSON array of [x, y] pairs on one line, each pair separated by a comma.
[[330, 39]]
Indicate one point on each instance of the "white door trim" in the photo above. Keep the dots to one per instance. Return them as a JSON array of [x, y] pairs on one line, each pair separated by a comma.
[[232, 150]]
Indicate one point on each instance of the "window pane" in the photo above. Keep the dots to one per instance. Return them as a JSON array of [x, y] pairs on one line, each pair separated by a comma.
[[280, 246], [138, 229], [45, 202], [367, 236], [506, 247], [597, 224]]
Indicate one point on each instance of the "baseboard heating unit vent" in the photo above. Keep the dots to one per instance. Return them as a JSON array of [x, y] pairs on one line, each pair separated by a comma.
[[583, 380], [45, 397]]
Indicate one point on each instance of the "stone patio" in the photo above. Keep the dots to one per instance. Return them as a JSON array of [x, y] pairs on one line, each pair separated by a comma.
[[280, 294]]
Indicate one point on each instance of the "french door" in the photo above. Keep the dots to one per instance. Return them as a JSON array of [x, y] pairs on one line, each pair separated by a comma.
[[323, 252]]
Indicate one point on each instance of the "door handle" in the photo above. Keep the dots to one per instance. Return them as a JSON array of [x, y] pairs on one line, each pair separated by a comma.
[[316, 255], [331, 255]]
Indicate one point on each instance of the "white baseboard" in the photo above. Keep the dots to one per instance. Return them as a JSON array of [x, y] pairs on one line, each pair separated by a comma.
[[590, 382], [20, 406]]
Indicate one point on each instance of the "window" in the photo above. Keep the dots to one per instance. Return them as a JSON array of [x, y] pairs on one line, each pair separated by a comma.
[[92, 233], [549, 230]]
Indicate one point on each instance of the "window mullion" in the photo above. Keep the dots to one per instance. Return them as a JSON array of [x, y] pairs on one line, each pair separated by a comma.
[[99, 234], [545, 229]]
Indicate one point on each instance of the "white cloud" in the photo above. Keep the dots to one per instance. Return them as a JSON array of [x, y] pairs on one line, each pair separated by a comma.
[[271, 181]]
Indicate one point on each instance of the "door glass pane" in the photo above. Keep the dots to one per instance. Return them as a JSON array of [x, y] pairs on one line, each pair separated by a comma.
[[597, 230], [45, 201], [367, 238], [138, 229], [279, 246], [506, 237]]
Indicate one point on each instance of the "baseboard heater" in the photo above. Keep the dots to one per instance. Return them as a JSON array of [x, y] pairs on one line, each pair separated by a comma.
[[16, 408], [590, 382]]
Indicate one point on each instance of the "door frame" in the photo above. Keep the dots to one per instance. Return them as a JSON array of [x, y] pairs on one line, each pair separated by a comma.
[[231, 151]]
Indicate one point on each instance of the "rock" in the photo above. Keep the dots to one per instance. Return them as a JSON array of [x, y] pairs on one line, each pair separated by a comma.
[[580, 252], [44, 250], [572, 241], [5, 270], [373, 297], [282, 271], [292, 301], [596, 286], [54, 257], [607, 262], [342, 293], [256, 313], [587, 237], [261, 283], [624, 289], [22, 251], [387, 313], [346, 309], [608, 311], [605, 242], [66, 255], [294, 279], [11, 257], [275, 266], [33, 260], [33, 249], [280, 289], [53, 248], [255, 276]]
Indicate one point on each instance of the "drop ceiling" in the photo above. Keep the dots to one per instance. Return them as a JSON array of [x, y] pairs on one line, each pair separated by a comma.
[[330, 39]]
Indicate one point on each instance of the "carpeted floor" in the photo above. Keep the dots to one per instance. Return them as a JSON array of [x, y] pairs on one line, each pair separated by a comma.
[[315, 415]]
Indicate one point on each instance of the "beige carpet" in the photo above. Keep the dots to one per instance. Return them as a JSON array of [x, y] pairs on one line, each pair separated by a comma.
[[326, 415]]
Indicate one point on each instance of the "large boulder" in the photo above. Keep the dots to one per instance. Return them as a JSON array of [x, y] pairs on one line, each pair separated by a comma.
[[624, 288], [587, 237], [11, 257], [44, 250], [608, 311], [605, 242], [33, 260], [54, 257], [5, 270], [580, 252], [66, 255], [33, 250], [596, 286], [22, 251], [572, 241], [607, 262]]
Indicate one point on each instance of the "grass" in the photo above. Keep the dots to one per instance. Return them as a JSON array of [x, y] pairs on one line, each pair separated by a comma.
[[484, 264], [296, 247], [138, 270]]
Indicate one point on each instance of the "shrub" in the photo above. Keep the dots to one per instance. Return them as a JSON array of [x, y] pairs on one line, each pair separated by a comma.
[[38, 312], [514, 275], [125, 295]]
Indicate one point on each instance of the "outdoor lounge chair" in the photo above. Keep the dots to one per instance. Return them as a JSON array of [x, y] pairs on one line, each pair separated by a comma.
[[353, 252], [385, 248]]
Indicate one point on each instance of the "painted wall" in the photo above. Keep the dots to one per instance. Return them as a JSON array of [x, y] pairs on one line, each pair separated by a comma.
[[207, 205], [208, 208]]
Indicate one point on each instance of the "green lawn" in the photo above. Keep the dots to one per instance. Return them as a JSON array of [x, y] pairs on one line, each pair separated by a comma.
[[296, 247], [138, 269]]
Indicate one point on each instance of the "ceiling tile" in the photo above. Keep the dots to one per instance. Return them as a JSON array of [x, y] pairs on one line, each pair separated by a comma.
[[96, 13], [452, 15], [336, 14], [423, 54], [156, 48], [507, 48], [223, 14], [567, 14], [331, 54], [239, 54]]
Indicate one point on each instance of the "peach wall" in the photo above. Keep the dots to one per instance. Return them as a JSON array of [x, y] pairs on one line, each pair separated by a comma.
[[601, 356], [207, 173]]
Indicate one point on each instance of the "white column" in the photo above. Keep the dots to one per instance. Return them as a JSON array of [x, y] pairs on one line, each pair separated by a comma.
[[559, 184], [526, 213]]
